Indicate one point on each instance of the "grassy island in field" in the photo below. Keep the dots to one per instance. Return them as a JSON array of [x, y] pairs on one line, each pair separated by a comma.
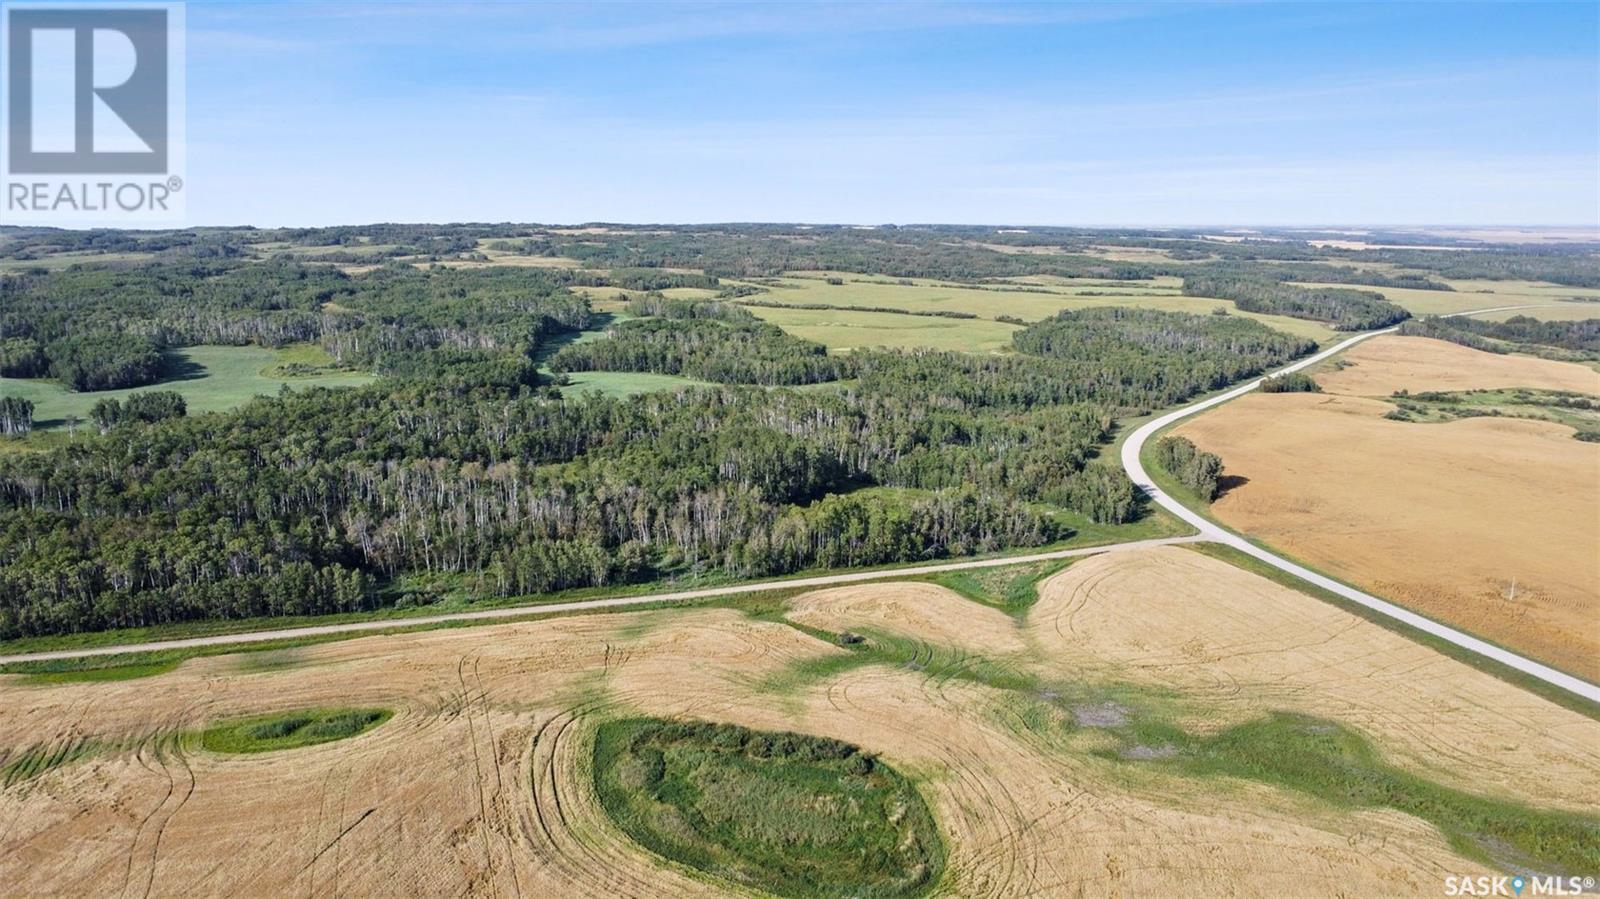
[[792, 814], [290, 730]]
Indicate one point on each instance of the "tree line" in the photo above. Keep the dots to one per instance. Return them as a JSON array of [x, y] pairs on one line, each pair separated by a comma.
[[16, 416], [1580, 337], [1293, 382], [1341, 308], [1194, 468], [144, 407], [708, 349]]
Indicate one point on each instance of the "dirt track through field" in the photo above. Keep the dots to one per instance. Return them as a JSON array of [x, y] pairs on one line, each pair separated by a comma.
[[481, 781]]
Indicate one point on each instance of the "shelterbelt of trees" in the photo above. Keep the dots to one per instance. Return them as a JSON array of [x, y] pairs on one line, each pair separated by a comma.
[[1580, 337]]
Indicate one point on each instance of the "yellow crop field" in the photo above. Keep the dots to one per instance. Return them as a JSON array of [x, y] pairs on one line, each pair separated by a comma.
[[1442, 517], [1073, 746]]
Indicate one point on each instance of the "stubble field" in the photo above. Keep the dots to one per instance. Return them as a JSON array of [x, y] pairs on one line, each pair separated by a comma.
[[1067, 749], [1442, 517]]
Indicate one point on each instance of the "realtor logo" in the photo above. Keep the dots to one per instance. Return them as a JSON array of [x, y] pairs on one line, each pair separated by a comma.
[[116, 91], [92, 91]]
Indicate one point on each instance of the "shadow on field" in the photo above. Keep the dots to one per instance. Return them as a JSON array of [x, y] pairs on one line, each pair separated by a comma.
[[1229, 483], [179, 368]]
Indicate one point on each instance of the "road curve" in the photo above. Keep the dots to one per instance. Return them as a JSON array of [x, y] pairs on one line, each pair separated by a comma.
[[585, 605], [1210, 531]]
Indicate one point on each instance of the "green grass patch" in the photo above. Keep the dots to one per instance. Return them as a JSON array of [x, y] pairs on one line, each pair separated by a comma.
[[92, 670], [42, 757], [1339, 767], [1579, 411], [845, 329], [211, 379], [290, 730], [270, 660], [301, 361], [1012, 588], [871, 647], [624, 383], [790, 814]]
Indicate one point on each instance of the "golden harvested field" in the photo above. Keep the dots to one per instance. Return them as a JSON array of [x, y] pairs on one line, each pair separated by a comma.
[[1386, 364], [1234, 644], [481, 782], [1440, 517]]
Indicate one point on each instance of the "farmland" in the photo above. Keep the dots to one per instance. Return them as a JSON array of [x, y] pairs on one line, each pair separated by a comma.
[[1482, 522], [685, 422], [848, 323], [1556, 301], [1092, 742]]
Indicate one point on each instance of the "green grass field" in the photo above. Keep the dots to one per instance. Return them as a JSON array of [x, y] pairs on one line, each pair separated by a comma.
[[214, 379], [790, 814], [47, 673], [63, 260], [852, 328], [624, 383], [1012, 589], [290, 730], [1026, 302]]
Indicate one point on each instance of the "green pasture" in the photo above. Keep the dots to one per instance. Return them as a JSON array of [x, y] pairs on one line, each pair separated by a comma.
[[211, 379]]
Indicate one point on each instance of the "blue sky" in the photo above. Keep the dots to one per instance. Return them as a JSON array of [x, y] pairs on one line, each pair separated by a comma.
[[1092, 114]]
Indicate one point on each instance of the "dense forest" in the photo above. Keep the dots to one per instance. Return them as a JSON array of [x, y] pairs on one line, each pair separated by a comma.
[[105, 327], [309, 502], [956, 252], [465, 468], [710, 341]]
